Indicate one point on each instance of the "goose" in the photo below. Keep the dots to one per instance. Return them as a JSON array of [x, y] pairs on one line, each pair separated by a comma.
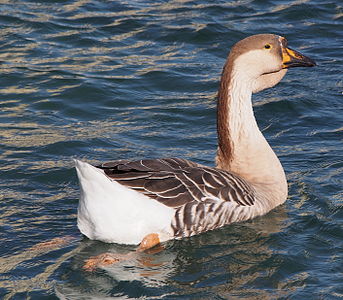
[[149, 201]]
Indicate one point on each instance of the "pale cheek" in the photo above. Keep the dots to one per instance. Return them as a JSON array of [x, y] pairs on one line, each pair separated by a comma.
[[270, 64], [258, 62]]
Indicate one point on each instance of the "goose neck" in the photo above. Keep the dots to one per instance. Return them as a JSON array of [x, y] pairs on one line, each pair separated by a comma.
[[242, 149]]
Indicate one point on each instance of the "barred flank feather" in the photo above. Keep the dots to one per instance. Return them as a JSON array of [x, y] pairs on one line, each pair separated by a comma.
[[203, 198]]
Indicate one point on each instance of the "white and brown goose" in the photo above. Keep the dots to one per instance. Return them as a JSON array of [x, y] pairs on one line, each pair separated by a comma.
[[154, 200]]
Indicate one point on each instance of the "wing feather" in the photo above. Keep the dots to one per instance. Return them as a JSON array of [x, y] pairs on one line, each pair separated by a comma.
[[203, 198], [172, 178]]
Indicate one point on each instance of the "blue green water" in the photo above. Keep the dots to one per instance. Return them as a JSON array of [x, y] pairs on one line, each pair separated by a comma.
[[105, 80]]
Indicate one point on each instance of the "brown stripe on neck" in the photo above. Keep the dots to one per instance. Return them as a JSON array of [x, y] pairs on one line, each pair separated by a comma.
[[225, 147]]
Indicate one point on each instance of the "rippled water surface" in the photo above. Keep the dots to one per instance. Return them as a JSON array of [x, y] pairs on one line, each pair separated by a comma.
[[105, 80]]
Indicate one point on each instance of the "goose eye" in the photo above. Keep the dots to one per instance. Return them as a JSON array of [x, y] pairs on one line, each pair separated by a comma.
[[267, 46]]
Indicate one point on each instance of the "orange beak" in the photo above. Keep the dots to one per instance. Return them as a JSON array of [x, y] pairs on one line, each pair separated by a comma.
[[292, 58]]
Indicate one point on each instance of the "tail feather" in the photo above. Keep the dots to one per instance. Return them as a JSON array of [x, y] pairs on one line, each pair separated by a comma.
[[111, 212]]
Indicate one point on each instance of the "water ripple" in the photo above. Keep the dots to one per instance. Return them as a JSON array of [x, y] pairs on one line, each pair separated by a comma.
[[122, 80]]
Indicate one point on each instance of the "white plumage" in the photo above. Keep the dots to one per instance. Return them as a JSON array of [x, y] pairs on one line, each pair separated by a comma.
[[113, 213]]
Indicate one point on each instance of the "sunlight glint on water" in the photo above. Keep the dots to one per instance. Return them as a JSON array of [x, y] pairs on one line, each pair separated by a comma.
[[102, 80]]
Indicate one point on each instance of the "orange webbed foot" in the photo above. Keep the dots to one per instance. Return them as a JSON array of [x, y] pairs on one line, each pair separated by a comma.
[[147, 245], [104, 260], [149, 241]]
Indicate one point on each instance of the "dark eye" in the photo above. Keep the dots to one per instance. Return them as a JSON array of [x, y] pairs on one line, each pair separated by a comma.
[[267, 46]]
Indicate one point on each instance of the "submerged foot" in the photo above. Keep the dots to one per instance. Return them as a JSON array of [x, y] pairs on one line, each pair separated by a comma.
[[105, 259]]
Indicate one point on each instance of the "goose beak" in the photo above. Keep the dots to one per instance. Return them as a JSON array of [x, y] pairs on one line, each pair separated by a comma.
[[292, 58]]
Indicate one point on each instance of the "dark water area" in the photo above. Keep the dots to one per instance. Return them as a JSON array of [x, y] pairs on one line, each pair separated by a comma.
[[106, 80]]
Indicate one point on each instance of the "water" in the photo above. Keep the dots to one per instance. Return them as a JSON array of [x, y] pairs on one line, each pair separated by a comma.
[[104, 80]]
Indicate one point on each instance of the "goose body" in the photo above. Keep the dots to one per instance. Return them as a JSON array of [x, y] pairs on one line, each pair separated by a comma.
[[125, 201]]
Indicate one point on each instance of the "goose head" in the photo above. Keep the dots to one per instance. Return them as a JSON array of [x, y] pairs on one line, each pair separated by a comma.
[[264, 59]]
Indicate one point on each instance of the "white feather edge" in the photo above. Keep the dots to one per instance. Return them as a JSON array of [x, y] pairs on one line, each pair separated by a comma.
[[113, 213]]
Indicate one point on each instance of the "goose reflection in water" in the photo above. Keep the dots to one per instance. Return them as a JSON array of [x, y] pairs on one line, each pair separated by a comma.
[[235, 253]]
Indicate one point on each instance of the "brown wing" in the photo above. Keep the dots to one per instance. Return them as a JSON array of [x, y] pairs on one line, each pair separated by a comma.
[[176, 182]]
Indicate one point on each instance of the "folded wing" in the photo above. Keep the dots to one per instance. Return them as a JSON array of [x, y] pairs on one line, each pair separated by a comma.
[[203, 198]]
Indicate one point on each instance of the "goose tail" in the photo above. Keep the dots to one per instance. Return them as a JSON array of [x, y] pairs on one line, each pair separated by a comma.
[[113, 213]]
